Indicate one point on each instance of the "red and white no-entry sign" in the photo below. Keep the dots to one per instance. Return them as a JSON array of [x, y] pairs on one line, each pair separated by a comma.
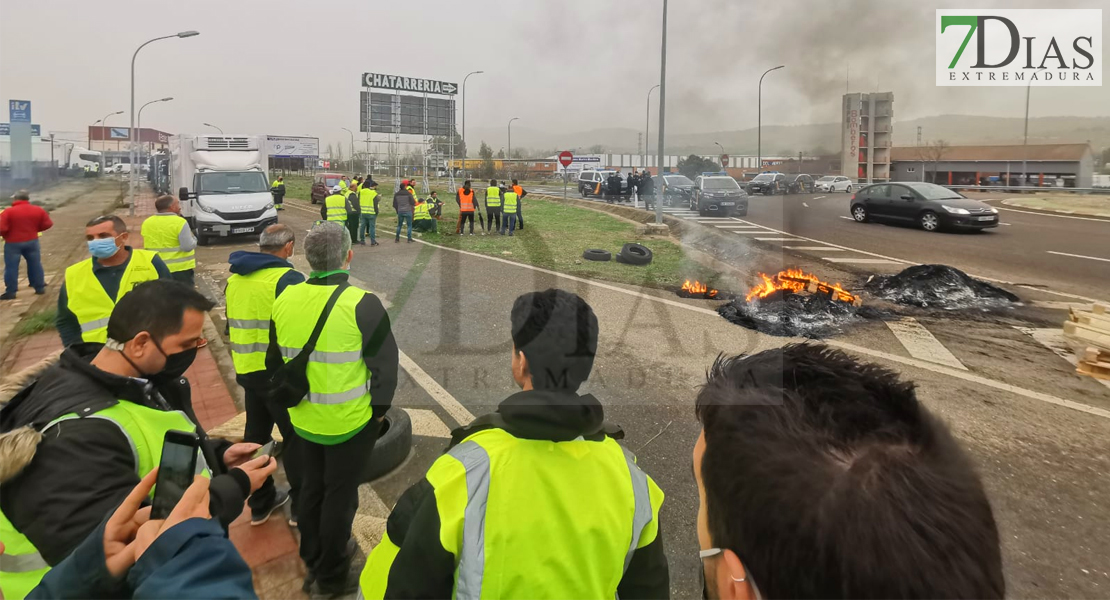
[[724, 160], [565, 158]]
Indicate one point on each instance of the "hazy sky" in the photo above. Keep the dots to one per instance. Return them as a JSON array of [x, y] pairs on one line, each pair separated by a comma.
[[293, 68]]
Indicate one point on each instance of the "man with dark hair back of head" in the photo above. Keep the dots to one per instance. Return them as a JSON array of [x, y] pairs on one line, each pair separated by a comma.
[[93, 286], [257, 280], [823, 477], [82, 436], [168, 234], [535, 500]]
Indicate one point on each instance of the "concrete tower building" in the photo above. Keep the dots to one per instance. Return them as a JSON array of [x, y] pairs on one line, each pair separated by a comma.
[[865, 136]]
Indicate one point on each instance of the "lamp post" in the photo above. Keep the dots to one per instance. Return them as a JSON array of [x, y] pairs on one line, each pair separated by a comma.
[[139, 120], [722, 153], [662, 117], [213, 127], [352, 144], [509, 155], [104, 125], [131, 130], [466, 150], [1025, 140], [647, 126], [759, 120]]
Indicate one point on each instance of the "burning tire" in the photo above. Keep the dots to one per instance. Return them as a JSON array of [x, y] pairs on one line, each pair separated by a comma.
[[634, 254], [859, 213], [595, 254], [929, 221]]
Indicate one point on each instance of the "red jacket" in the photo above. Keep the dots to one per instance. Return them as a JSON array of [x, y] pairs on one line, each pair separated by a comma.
[[23, 221]]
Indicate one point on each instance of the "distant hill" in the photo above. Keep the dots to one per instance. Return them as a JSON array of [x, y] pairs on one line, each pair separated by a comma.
[[825, 137]]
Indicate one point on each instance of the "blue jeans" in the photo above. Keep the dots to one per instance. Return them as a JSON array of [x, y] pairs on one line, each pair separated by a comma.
[[403, 218], [508, 221], [368, 224], [30, 251]]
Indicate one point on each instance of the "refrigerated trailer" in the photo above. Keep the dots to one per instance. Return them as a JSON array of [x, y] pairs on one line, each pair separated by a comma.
[[221, 182]]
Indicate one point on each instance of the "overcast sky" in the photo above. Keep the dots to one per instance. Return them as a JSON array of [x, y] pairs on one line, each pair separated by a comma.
[[293, 68]]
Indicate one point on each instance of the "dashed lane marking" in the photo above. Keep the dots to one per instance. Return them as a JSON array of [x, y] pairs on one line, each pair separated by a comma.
[[776, 239], [821, 248], [860, 261], [921, 343], [1078, 256]]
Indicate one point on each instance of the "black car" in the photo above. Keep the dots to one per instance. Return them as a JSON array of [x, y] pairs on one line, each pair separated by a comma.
[[677, 191], [799, 184], [929, 206], [718, 195], [767, 184]]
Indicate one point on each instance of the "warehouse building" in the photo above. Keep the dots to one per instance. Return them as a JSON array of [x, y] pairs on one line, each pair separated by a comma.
[[1056, 165]]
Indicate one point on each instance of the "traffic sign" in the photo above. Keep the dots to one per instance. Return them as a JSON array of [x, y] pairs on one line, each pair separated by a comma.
[[19, 111], [565, 158], [724, 160]]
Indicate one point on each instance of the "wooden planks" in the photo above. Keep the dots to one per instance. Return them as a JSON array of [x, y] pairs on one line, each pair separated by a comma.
[[1089, 334]]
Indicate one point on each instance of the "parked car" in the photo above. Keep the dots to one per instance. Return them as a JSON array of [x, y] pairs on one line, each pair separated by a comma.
[[588, 183], [799, 184], [677, 190], [718, 195], [322, 184], [928, 205], [833, 183], [767, 184]]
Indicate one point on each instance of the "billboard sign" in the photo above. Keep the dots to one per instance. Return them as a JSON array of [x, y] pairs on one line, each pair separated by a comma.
[[6, 129], [19, 111], [118, 133], [404, 114], [409, 84], [285, 146]]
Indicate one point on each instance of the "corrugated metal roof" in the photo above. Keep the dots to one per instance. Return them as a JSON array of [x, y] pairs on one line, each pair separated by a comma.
[[1032, 152]]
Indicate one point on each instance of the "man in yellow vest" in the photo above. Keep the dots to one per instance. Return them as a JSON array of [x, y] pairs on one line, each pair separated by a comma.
[[277, 189], [494, 196], [166, 233], [422, 217], [534, 500], [510, 204], [368, 203], [352, 375], [93, 286], [86, 430], [334, 207], [257, 279]]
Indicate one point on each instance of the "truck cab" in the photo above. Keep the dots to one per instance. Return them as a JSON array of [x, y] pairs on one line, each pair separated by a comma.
[[222, 185]]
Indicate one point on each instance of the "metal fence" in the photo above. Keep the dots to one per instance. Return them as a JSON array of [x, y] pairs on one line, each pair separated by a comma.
[[42, 175]]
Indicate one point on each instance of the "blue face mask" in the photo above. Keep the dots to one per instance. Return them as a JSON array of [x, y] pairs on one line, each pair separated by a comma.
[[103, 247]]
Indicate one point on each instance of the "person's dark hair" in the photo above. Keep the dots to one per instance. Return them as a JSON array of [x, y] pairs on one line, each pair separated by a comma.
[[117, 223], [514, 182], [828, 479], [466, 183], [163, 203], [557, 332], [493, 182], [156, 307]]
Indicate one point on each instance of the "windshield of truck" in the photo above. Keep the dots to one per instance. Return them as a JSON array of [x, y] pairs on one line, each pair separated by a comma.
[[680, 180], [231, 183], [720, 183], [764, 177]]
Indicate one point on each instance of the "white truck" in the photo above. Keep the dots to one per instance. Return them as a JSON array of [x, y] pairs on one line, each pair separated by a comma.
[[221, 182]]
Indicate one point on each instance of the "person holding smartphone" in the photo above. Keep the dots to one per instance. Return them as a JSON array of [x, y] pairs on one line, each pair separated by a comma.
[[79, 438]]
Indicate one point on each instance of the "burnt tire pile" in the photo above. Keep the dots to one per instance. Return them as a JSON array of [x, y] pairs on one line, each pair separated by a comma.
[[788, 314], [938, 286], [630, 254]]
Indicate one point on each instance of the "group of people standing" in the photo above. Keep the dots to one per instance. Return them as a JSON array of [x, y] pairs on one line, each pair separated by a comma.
[[503, 208]]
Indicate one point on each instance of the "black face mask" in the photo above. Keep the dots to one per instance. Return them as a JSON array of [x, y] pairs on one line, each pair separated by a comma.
[[176, 365]]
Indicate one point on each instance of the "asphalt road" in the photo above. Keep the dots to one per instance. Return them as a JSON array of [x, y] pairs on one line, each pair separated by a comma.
[[1044, 462]]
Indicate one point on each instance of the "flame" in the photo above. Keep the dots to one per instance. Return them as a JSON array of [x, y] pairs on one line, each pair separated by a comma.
[[797, 281], [697, 288]]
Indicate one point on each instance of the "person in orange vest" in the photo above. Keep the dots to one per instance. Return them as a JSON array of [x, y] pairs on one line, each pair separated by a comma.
[[520, 194], [464, 197]]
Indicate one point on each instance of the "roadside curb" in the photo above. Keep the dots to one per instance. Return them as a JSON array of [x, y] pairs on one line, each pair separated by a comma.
[[1011, 202]]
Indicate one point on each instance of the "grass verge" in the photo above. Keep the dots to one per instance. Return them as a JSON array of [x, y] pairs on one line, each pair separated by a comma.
[[40, 321]]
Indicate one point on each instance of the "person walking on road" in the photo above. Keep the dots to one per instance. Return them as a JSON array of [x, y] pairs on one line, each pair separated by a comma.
[[257, 279], [520, 194], [166, 233], [83, 433], [354, 212], [510, 206], [368, 205], [277, 189], [351, 376], [334, 207], [535, 500], [92, 287], [404, 203], [20, 226], [464, 197], [494, 196]]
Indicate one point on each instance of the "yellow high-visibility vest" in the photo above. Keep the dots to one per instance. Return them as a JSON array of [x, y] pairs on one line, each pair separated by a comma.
[[161, 234], [336, 206], [88, 301], [366, 200], [493, 197], [250, 304]]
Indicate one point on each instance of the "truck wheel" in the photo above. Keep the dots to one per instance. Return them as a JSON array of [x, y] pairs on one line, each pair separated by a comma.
[[393, 445], [635, 254], [597, 255], [203, 240]]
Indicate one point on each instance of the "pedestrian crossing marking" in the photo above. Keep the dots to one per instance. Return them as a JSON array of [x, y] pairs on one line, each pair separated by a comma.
[[425, 422], [922, 344]]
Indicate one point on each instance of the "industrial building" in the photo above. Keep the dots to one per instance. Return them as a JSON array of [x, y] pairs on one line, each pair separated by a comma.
[[1056, 165], [112, 141], [865, 136]]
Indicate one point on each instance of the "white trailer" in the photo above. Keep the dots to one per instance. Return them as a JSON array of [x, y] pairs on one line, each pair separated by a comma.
[[221, 182]]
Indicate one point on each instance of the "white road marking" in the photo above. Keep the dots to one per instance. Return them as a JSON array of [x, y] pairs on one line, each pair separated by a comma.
[[753, 231], [426, 422], [1053, 339], [821, 248], [778, 239], [436, 391], [843, 217], [1041, 214], [723, 226], [1078, 256], [921, 343], [860, 261], [819, 197]]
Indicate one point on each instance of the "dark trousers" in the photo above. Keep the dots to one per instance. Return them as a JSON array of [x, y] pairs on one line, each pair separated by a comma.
[[353, 220], [329, 498], [463, 218], [262, 415], [30, 252], [188, 277], [508, 223], [519, 217], [491, 214], [278, 200]]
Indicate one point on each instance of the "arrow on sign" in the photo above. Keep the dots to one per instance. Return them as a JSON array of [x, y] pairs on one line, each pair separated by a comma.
[[449, 88]]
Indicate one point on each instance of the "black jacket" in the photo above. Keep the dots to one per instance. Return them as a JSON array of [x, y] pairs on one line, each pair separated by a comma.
[[244, 262], [614, 184], [83, 468], [424, 569]]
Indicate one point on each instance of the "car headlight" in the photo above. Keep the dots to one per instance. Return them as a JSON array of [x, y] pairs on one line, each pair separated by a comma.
[[207, 209], [268, 207], [954, 210], [994, 210]]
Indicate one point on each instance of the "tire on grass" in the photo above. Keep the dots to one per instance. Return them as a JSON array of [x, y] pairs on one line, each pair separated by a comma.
[[598, 255], [393, 445], [635, 254]]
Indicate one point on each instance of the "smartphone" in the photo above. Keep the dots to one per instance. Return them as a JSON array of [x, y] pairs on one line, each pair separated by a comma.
[[175, 471], [267, 449]]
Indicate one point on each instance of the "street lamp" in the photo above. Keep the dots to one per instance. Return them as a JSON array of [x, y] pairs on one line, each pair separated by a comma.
[[352, 143], [466, 150], [1025, 141], [213, 127], [131, 130], [722, 153], [139, 121], [662, 118], [509, 156], [103, 126], [759, 122], [647, 126]]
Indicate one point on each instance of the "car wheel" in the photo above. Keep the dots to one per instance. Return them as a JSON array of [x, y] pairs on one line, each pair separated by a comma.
[[929, 221], [848, 190], [740, 213], [859, 213], [203, 240], [702, 212], [392, 447], [597, 255], [582, 192], [634, 254]]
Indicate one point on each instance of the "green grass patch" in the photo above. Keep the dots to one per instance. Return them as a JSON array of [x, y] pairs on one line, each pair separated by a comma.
[[297, 186], [40, 321]]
